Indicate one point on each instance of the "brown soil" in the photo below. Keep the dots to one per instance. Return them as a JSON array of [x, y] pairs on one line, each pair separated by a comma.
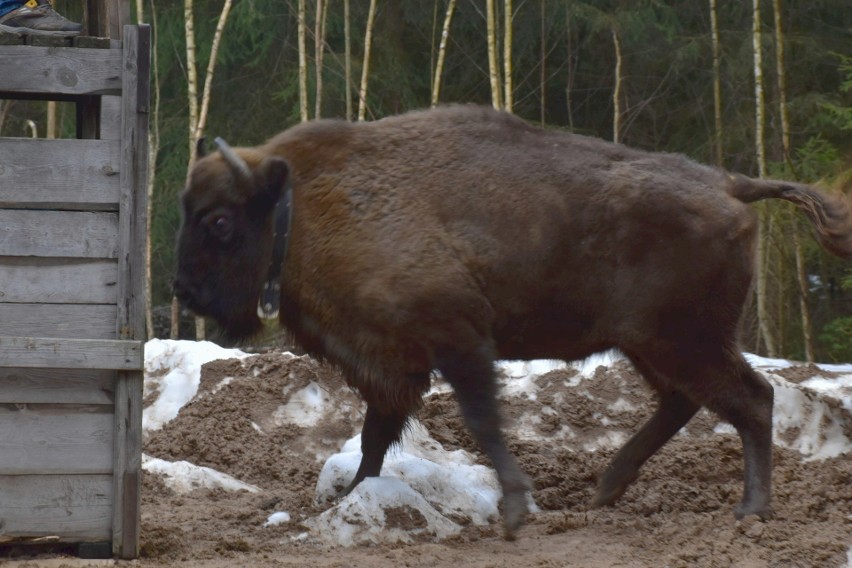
[[677, 514]]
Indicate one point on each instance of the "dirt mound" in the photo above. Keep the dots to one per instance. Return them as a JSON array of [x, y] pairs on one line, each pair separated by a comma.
[[563, 430]]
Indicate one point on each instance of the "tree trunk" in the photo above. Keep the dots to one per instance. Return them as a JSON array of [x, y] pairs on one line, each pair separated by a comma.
[[442, 51], [303, 63], [347, 58], [616, 92], [801, 272], [198, 118], [717, 83], [50, 130], [365, 69], [542, 59], [319, 51], [208, 78], [762, 283], [507, 56], [153, 150], [192, 94], [569, 83], [191, 76], [493, 69]]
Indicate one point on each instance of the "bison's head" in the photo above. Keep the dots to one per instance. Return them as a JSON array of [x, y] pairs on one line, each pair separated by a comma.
[[224, 245]]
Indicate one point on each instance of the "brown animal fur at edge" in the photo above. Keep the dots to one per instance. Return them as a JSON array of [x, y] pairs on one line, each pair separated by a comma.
[[448, 238]]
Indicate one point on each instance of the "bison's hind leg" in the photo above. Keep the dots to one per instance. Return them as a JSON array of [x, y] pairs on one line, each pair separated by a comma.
[[471, 374], [709, 374], [673, 412]]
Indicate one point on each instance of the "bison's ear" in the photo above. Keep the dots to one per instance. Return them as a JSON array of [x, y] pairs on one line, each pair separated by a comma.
[[271, 178]]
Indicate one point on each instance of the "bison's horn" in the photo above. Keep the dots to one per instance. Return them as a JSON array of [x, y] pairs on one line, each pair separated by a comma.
[[200, 150], [238, 164]]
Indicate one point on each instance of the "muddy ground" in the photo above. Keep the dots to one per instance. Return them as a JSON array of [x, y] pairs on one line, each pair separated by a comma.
[[677, 514]]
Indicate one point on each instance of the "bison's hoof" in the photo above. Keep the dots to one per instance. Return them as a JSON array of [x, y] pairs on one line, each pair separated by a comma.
[[611, 487], [763, 512], [514, 513]]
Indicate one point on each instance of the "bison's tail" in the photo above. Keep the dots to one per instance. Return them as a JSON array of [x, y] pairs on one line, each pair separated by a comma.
[[830, 214]]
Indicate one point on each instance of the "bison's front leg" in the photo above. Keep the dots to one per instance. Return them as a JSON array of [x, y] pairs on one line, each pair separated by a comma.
[[472, 378], [380, 431]]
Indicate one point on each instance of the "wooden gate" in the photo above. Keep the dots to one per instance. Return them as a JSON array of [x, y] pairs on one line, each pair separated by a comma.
[[72, 282]]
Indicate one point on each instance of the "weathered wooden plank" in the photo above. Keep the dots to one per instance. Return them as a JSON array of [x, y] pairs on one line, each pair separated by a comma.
[[75, 234], [132, 284], [55, 438], [60, 70], [68, 386], [58, 281], [53, 353], [73, 508], [59, 174], [134, 176], [78, 321]]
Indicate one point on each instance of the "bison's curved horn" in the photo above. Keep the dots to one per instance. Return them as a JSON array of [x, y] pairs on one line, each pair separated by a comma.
[[200, 150], [238, 164]]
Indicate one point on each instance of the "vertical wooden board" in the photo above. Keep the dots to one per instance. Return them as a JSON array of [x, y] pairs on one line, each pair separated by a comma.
[[68, 386], [73, 507], [79, 321], [54, 439], [111, 118], [66, 234], [134, 177], [58, 280], [132, 285], [127, 463]]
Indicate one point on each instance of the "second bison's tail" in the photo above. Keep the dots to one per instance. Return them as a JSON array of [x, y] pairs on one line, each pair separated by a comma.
[[831, 215]]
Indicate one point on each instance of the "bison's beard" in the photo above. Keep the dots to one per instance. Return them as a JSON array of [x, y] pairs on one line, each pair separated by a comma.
[[239, 322]]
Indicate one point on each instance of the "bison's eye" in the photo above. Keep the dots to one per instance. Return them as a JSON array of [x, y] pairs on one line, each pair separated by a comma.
[[221, 226]]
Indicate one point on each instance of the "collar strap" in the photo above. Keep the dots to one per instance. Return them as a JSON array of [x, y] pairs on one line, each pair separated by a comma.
[[270, 295]]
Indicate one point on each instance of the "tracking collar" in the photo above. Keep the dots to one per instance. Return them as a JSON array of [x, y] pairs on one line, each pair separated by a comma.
[[270, 295]]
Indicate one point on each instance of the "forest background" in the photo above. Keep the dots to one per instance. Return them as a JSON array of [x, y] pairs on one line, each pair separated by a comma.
[[762, 88]]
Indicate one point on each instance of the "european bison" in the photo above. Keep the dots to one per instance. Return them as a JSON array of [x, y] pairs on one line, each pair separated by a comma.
[[448, 238]]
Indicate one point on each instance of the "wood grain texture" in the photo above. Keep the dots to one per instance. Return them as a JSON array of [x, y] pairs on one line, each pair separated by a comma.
[[58, 353], [76, 234], [24, 385], [59, 70], [72, 507], [59, 174], [58, 281], [78, 321], [55, 438]]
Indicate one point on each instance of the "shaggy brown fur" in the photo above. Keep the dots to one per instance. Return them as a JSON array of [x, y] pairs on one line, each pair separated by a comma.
[[445, 239]]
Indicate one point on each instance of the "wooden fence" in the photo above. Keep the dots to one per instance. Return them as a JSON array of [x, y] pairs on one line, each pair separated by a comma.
[[72, 266]]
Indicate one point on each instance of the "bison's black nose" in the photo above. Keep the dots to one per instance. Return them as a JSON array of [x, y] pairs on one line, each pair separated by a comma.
[[183, 290]]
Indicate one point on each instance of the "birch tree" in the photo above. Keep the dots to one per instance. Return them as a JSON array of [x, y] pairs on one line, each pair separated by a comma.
[[542, 78], [765, 332], [303, 62], [507, 55], [493, 68], [198, 111], [153, 150], [442, 51], [365, 69], [717, 83], [616, 92], [347, 58], [319, 50], [801, 273]]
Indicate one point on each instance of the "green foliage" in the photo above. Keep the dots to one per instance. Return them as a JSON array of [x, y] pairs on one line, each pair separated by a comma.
[[667, 93], [836, 338]]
